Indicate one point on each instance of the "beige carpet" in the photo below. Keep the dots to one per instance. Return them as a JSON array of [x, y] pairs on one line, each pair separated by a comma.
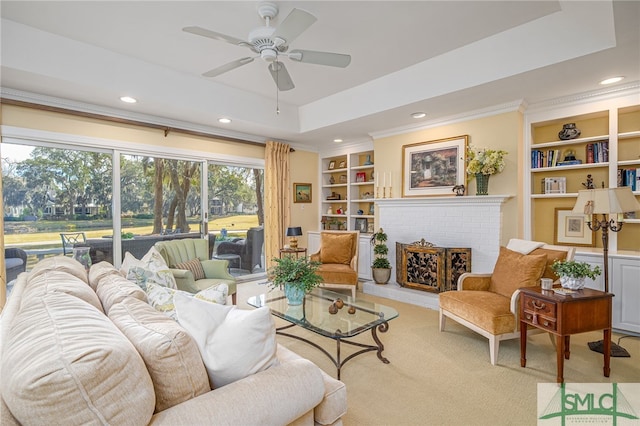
[[446, 378]]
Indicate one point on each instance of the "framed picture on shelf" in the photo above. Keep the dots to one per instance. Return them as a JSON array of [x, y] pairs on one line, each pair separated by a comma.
[[433, 167], [362, 224], [342, 164], [370, 227], [301, 192], [332, 165], [361, 177], [343, 178], [571, 229]]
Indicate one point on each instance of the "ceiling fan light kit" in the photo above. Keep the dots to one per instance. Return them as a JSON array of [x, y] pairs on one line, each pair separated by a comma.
[[269, 43]]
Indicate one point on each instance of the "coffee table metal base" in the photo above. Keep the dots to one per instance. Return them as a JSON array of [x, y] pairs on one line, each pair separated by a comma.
[[337, 361]]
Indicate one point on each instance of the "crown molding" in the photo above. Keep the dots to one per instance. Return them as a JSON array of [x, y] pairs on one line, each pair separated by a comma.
[[587, 97]]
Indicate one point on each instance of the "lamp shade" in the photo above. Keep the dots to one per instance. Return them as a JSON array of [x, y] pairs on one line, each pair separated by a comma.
[[606, 201], [294, 231]]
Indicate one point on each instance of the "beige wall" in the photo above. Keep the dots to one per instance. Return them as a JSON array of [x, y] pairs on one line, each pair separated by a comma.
[[304, 169], [501, 131]]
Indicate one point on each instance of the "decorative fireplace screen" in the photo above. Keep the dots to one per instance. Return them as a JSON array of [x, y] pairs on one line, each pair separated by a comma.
[[424, 267]]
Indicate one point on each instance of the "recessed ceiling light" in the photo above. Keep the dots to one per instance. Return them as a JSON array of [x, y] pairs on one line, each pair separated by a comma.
[[611, 80], [419, 115], [337, 140], [224, 120], [128, 99]]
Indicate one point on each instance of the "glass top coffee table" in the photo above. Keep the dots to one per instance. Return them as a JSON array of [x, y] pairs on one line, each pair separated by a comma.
[[314, 315]]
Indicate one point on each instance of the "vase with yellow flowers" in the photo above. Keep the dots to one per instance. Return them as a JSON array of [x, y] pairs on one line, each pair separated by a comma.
[[482, 163]]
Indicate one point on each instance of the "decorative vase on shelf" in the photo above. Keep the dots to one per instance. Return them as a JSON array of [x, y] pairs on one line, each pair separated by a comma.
[[569, 131], [482, 184], [368, 161], [294, 294]]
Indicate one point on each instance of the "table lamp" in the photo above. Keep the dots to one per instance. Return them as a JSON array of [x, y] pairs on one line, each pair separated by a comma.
[[607, 202], [294, 232]]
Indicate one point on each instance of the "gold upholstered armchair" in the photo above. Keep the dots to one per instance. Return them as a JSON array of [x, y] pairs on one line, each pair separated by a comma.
[[488, 303], [338, 256]]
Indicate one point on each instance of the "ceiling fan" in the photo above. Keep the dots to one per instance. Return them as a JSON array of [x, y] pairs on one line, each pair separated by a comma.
[[271, 43]]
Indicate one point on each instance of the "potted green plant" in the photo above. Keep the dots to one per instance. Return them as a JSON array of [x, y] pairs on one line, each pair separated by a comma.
[[380, 268], [573, 274], [297, 275]]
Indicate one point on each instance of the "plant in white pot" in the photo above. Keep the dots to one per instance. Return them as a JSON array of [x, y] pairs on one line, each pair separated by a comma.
[[297, 276], [381, 268], [573, 273]]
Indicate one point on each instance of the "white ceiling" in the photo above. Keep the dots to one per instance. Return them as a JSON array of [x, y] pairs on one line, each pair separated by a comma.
[[442, 57]]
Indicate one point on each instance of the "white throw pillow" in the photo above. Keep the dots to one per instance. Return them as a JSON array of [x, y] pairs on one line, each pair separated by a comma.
[[523, 246], [162, 298], [150, 269], [234, 343]]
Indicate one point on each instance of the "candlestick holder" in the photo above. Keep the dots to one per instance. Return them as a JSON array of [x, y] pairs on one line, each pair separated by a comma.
[[378, 192], [390, 196]]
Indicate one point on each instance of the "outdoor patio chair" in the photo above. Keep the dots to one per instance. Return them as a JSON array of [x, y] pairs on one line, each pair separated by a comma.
[[71, 238]]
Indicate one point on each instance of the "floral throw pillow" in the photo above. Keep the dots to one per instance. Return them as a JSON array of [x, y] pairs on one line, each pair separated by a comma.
[[161, 298], [150, 269]]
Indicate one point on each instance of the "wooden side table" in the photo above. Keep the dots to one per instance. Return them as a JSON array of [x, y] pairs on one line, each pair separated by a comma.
[[291, 251], [564, 315]]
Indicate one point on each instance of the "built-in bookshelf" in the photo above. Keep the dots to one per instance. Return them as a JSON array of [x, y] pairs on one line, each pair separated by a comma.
[[605, 154], [348, 191]]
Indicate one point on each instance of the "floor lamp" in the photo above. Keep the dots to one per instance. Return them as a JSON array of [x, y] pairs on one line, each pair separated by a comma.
[[607, 202]]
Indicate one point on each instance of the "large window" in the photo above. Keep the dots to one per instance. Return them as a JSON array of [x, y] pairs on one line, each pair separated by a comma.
[[49, 191]]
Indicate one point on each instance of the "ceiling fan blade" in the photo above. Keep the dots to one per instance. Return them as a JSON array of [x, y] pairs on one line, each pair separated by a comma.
[[293, 25], [228, 67], [320, 58], [281, 76], [214, 35]]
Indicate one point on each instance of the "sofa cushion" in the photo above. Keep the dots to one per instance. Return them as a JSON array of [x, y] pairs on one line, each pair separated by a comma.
[[162, 298], [100, 270], [514, 270], [193, 265], [234, 343], [60, 281], [170, 354], [334, 402], [489, 311], [336, 248], [113, 288], [150, 269], [66, 378], [60, 263]]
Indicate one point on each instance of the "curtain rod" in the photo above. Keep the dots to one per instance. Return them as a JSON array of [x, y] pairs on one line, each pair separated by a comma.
[[165, 129]]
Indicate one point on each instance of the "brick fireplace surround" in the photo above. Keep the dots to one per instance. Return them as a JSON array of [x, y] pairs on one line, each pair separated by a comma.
[[471, 221]]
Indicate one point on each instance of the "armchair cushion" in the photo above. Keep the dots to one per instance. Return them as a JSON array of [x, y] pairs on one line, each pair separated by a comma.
[[193, 265], [336, 248], [514, 270], [552, 255], [338, 273], [489, 311]]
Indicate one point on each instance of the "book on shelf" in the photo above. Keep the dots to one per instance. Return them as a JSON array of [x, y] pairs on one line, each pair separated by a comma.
[[597, 152], [629, 177], [554, 185], [569, 163]]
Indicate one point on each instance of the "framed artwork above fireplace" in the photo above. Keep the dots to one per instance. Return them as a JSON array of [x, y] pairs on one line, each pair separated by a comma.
[[434, 167]]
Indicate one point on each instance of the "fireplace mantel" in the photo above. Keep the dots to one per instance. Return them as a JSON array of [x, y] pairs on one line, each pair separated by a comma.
[[466, 221], [444, 201]]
